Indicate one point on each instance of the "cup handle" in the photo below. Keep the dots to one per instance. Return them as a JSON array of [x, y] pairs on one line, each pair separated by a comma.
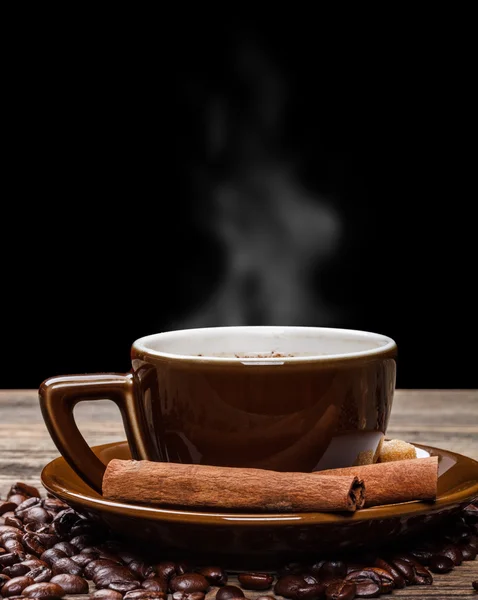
[[58, 397]]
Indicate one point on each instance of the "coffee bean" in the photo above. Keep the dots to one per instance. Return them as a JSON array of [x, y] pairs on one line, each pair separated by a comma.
[[7, 506], [3, 578], [52, 555], [141, 569], [66, 565], [471, 513], [15, 586], [228, 592], [287, 585], [123, 586], [16, 570], [439, 563], [9, 559], [106, 595], [468, 552], [17, 498], [189, 582], [214, 575], [26, 505], [310, 579], [67, 548], [143, 594], [422, 555], [452, 552], [53, 505], [40, 574], [33, 544], [72, 584], [166, 569], [398, 580], [314, 591], [82, 559], [422, 575], [105, 576], [64, 521], [405, 569], [255, 581], [155, 584], [191, 596], [13, 521], [82, 541], [47, 591], [387, 582], [94, 565], [24, 489], [368, 583], [340, 590], [35, 514]]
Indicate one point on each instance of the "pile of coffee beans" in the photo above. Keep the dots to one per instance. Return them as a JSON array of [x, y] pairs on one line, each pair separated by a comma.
[[47, 550]]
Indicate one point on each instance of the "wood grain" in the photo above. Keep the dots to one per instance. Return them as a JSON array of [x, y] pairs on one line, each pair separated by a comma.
[[443, 418]]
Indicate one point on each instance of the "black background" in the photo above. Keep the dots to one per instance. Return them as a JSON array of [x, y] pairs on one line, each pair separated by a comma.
[[104, 230]]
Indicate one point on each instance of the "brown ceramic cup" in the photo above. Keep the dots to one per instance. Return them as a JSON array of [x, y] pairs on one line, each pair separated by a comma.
[[281, 398]]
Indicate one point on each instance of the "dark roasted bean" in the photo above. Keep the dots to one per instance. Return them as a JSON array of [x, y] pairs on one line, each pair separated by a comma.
[[24, 489], [3, 578], [310, 578], [16, 570], [33, 544], [40, 574], [16, 586], [82, 541], [439, 563], [66, 565], [26, 505], [255, 581], [120, 585], [9, 559], [104, 576], [82, 559], [53, 505], [64, 521], [423, 555], [471, 513], [287, 585], [97, 552], [141, 569], [387, 582], [155, 584], [189, 582], [44, 590], [84, 527], [93, 566], [36, 514], [67, 548], [144, 595], [214, 575], [340, 590], [106, 595], [315, 591], [72, 584], [191, 596], [452, 552], [7, 507], [166, 569], [17, 498], [183, 567], [405, 569], [367, 581], [52, 555], [398, 580], [228, 592], [33, 563], [14, 522], [468, 552]]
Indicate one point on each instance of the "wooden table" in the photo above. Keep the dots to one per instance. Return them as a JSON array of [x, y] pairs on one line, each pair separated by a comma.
[[443, 418]]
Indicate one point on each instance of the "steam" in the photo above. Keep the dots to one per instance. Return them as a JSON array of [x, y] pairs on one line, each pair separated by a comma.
[[274, 233]]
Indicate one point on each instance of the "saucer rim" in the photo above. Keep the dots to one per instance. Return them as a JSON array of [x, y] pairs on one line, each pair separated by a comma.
[[404, 509]]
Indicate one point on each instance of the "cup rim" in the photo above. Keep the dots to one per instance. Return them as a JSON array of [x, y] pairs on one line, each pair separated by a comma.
[[140, 346]]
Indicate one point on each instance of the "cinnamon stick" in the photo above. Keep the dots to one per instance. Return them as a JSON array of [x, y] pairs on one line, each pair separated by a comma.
[[202, 486], [392, 482]]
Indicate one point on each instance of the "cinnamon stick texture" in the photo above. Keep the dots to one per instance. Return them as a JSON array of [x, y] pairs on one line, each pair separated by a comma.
[[201, 486], [397, 481]]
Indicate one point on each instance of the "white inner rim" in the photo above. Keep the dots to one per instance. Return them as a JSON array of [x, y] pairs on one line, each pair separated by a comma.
[[263, 344]]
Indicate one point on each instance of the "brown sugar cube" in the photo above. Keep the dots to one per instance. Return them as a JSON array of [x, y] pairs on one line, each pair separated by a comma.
[[396, 450]]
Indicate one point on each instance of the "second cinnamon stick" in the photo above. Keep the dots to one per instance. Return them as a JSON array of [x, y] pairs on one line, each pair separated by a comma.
[[172, 484], [396, 481]]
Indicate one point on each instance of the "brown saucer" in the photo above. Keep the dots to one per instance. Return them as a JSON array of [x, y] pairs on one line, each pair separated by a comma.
[[264, 537]]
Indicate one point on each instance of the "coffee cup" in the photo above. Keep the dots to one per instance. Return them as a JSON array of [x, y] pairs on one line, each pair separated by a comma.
[[281, 398]]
